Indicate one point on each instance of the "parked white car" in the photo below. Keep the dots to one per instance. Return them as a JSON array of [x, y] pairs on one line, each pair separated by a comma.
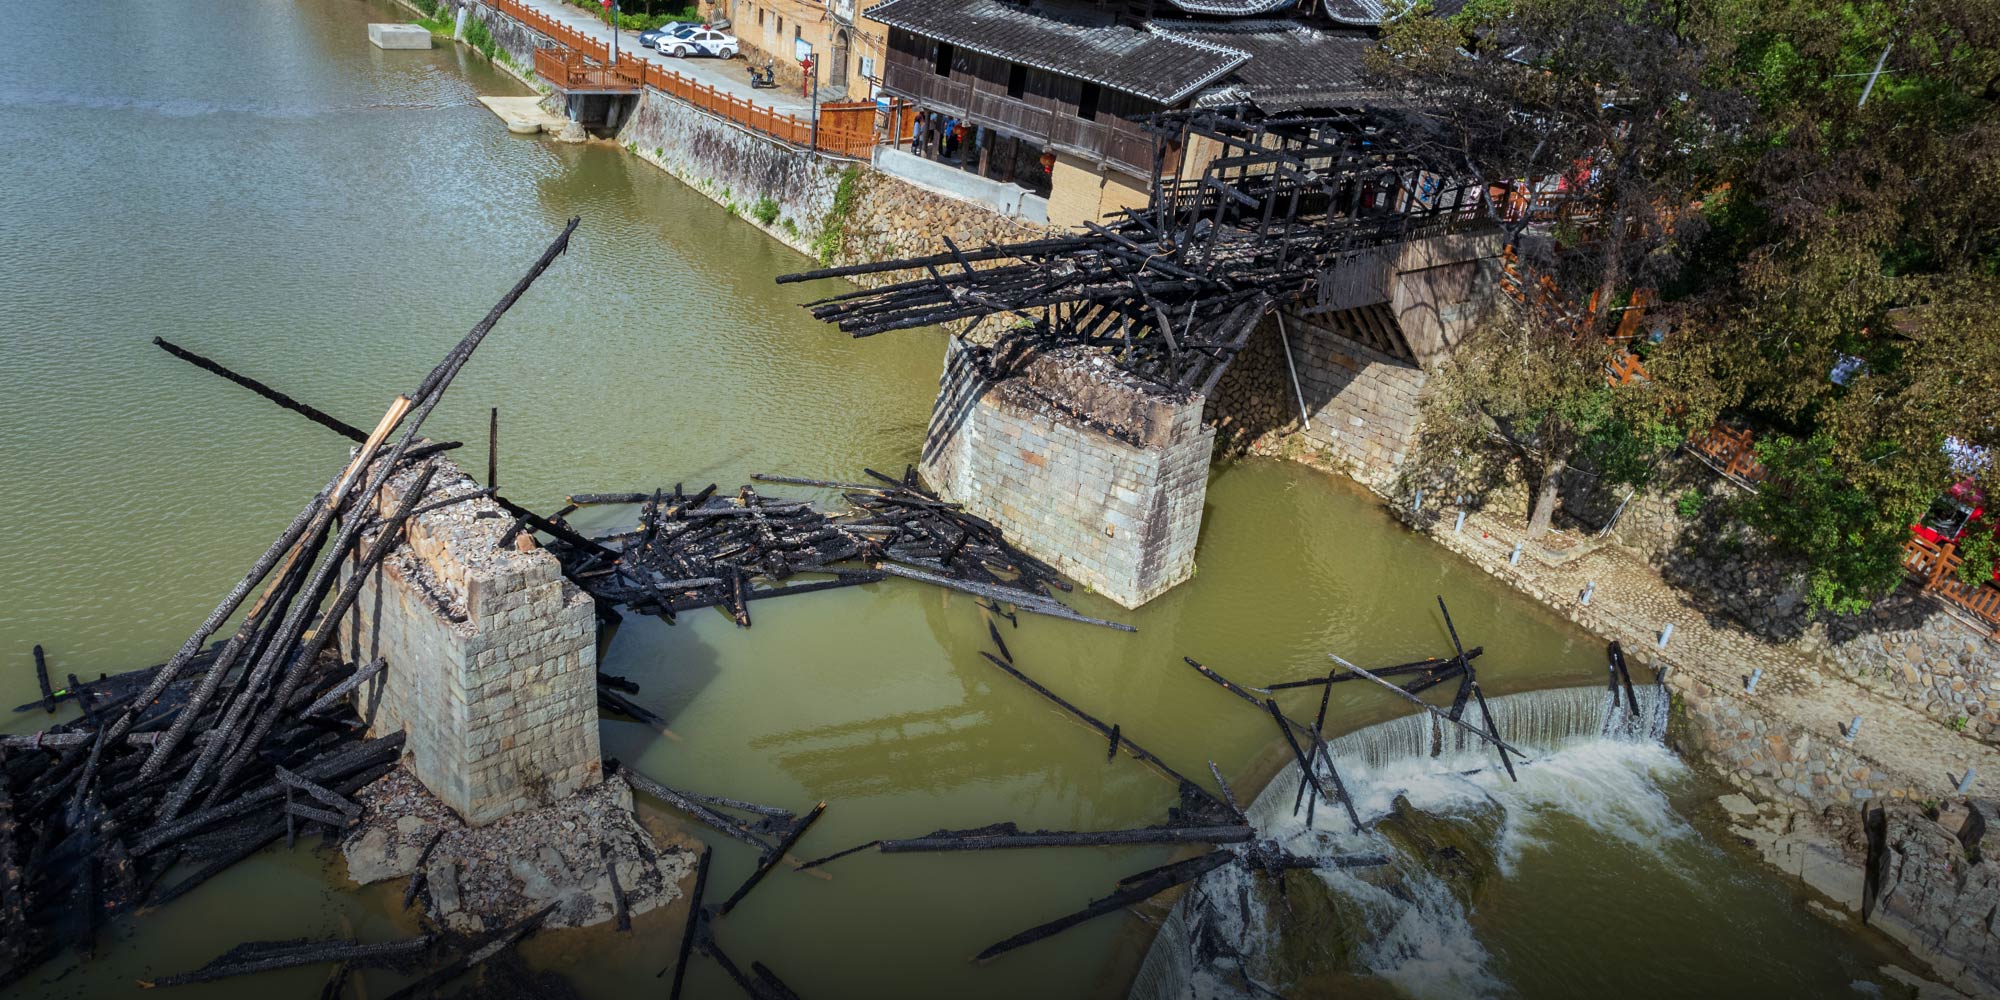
[[700, 42]]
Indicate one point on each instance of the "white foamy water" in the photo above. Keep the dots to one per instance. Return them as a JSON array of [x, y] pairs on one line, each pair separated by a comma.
[[1591, 763]]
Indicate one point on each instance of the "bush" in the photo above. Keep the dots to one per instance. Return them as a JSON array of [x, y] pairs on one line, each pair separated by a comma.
[[1852, 538], [1689, 504], [833, 229], [765, 211], [1979, 546], [477, 36]]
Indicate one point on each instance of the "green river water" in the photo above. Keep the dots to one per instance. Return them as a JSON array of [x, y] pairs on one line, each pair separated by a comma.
[[252, 179]]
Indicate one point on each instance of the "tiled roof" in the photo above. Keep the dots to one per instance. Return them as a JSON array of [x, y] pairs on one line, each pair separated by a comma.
[[1361, 12], [1232, 8], [1152, 66], [1291, 66]]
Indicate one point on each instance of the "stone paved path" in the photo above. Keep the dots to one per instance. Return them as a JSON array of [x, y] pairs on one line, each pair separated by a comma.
[[1632, 604]]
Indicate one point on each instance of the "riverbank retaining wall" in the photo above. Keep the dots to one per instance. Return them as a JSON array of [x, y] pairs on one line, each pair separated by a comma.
[[1099, 475], [835, 211], [1908, 647], [490, 658]]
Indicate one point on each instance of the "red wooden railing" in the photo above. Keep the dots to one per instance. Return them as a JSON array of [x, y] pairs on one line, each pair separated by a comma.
[[1937, 567], [846, 128], [1731, 451]]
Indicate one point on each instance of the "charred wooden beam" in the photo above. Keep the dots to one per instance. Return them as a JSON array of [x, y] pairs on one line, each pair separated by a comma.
[[694, 920], [771, 858], [1154, 882], [266, 956]]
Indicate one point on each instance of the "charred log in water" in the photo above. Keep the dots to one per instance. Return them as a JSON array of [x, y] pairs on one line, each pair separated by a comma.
[[265, 956], [1135, 888]]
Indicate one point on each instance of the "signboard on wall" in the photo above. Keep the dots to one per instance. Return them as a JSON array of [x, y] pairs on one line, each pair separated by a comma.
[[802, 50]]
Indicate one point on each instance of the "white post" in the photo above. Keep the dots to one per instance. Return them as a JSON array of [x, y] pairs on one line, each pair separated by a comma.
[[1665, 634], [1755, 676], [1879, 60], [1286, 341], [1460, 526], [1515, 559], [1965, 783], [1852, 728], [1589, 589], [458, 27]]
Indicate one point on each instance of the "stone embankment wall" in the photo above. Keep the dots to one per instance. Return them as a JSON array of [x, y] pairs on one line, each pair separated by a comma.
[[1098, 474], [1363, 404], [836, 211], [517, 40], [491, 661], [1908, 647]]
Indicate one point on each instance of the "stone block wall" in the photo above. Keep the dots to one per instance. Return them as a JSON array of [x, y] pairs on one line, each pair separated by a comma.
[[1363, 403], [1113, 499], [1774, 758], [491, 661]]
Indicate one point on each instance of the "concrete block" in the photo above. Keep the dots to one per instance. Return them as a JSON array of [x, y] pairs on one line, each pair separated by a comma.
[[399, 36]]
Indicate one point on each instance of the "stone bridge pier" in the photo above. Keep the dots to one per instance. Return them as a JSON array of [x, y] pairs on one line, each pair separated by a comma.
[[1095, 472], [491, 660], [1103, 475]]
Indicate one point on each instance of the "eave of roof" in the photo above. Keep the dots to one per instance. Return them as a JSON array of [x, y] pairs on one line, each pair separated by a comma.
[[1150, 65], [1292, 66]]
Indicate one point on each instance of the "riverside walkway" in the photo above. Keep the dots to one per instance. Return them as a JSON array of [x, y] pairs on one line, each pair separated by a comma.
[[727, 76], [582, 61]]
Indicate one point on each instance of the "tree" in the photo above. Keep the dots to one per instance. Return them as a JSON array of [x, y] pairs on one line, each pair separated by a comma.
[[1850, 230], [1605, 106]]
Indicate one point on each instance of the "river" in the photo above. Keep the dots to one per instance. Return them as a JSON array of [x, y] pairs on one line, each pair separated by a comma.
[[251, 179]]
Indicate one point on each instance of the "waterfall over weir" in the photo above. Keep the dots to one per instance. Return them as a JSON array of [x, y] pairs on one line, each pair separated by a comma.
[[1444, 812]]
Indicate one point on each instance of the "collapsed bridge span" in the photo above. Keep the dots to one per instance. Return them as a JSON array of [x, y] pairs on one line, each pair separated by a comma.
[[1070, 410]]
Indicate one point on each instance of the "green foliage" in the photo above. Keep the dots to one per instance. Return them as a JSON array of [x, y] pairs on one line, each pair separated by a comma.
[[1784, 222], [1980, 548], [645, 19], [429, 7], [833, 228], [765, 211], [479, 37], [1818, 506], [1689, 504], [1959, 722]]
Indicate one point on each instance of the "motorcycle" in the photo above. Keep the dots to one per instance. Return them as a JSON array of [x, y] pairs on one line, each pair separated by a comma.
[[763, 79]]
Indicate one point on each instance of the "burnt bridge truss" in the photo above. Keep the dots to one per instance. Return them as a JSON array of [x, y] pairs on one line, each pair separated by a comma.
[[1171, 291]]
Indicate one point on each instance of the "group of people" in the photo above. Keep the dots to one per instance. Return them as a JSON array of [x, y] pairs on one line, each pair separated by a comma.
[[981, 150]]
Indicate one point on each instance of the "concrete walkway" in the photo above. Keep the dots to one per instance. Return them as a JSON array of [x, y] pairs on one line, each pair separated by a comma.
[[1632, 604], [731, 76]]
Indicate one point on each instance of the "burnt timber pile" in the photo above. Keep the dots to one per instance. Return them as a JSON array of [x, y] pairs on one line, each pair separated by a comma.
[[173, 774], [704, 550], [1171, 291]]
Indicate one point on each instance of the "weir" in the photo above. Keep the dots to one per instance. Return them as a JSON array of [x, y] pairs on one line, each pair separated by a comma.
[[1219, 921]]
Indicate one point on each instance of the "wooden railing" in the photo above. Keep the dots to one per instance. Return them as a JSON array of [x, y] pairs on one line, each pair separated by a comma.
[[847, 129], [567, 68], [1936, 566], [1732, 453]]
